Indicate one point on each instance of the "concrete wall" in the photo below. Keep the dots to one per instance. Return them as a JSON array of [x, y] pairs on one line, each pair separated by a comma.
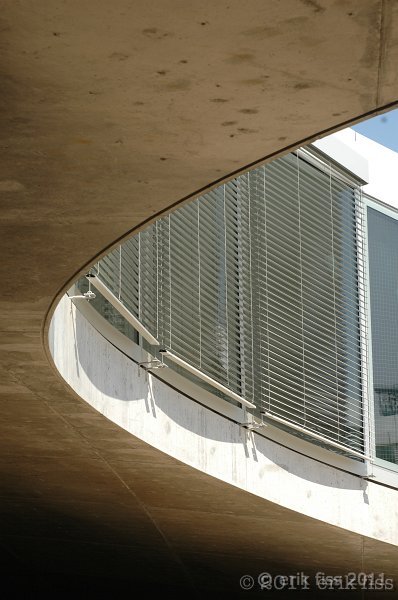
[[154, 412]]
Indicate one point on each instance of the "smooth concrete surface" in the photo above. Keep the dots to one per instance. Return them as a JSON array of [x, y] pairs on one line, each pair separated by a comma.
[[163, 417], [113, 112]]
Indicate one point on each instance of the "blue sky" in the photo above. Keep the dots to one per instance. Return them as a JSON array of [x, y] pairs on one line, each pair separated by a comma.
[[382, 129]]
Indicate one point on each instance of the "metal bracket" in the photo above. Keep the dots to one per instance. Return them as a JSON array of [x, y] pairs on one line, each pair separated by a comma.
[[253, 425], [152, 364], [86, 296]]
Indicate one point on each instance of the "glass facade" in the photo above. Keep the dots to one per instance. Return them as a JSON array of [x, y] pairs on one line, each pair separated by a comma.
[[262, 284], [258, 285], [383, 286]]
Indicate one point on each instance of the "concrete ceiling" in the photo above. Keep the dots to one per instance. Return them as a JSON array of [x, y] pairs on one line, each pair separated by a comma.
[[112, 113]]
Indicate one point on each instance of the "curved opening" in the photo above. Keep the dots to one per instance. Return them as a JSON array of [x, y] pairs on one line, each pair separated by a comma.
[[257, 291]]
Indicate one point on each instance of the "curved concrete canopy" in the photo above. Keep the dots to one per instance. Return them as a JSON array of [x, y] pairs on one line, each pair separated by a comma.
[[113, 112]]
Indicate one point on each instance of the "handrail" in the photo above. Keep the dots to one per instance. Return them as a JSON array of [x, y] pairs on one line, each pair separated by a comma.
[[108, 295], [204, 377], [317, 436]]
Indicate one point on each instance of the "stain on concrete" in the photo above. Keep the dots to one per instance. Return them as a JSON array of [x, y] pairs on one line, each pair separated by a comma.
[[154, 33], [255, 80], [374, 46], [150, 31], [303, 85], [218, 100], [247, 130], [119, 56], [228, 123], [178, 85], [296, 21], [238, 59], [248, 111], [314, 5]]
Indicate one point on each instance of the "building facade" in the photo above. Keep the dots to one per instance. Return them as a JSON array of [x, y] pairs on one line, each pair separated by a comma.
[[274, 291]]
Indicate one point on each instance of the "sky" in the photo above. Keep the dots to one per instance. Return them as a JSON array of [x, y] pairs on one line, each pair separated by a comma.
[[382, 129]]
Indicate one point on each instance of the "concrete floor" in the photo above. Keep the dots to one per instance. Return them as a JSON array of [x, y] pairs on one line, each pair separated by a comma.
[[113, 113]]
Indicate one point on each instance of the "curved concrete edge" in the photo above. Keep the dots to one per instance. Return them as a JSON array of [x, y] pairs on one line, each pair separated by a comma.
[[171, 206], [182, 428]]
